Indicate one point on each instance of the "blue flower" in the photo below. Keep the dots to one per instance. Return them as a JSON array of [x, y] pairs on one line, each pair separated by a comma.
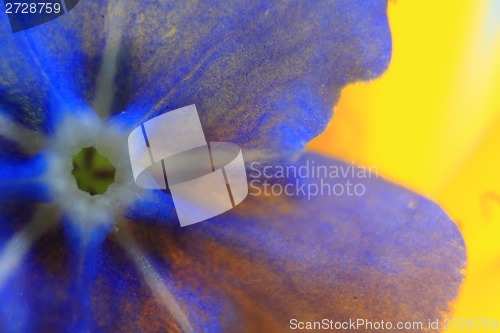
[[264, 75]]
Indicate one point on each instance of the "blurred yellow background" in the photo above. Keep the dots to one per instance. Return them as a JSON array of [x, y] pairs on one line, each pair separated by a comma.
[[432, 123]]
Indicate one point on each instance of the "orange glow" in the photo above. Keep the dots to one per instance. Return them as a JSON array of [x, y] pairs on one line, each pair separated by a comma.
[[432, 123]]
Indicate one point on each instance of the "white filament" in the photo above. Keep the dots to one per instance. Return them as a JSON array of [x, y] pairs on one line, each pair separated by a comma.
[[30, 141], [153, 279], [18, 246], [105, 79]]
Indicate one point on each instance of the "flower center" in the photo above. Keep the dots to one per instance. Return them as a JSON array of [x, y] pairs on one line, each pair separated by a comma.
[[93, 172]]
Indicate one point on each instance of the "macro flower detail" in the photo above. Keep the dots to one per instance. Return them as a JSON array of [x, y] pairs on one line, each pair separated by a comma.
[[78, 257]]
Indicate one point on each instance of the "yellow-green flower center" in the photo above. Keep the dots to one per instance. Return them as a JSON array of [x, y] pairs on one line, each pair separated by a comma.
[[93, 172]]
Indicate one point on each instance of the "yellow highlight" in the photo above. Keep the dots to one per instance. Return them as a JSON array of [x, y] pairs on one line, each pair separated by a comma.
[[432, 123]]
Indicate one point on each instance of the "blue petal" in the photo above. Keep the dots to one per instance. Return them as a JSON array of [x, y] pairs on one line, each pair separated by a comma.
[[248, 66], [386, 255], [22, 179], [105, 294], [264, 74], [155, 206], [37, 293], [44, 74]]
